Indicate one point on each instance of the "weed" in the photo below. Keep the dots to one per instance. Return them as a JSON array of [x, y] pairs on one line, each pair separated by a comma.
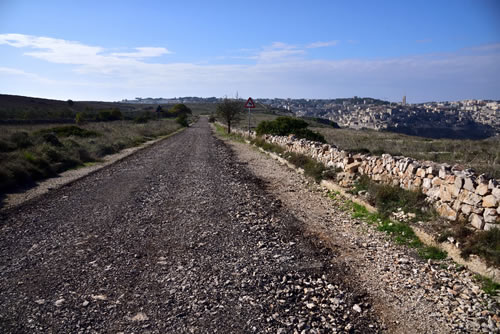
[[388, 199], [311, 167], [67, 131], [485, 244], [262, 143], [221, 131], [431, 252], [488, 286]]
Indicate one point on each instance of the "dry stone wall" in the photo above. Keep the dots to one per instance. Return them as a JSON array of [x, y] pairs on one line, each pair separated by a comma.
[[455, 192]]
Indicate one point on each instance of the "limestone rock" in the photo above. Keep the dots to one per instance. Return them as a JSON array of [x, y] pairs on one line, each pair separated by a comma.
[[490, 201], [445, 211], [459, 182], [466, 209], [482, 189], [490, 215], [444, 193], [476, 221], [469, 184]]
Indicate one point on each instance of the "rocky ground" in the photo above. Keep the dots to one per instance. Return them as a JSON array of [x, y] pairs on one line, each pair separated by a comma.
[[408, 294], [182, 237]]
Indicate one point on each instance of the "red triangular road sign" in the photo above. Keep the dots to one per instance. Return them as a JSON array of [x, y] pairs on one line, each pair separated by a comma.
[[250, 104]]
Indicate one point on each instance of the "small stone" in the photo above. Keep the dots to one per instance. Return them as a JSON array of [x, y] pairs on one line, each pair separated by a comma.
[[59, 302], [40, 301], [99, 297], [85, 303], [476, 221], [140, 317], [310, 305], [356, 308]]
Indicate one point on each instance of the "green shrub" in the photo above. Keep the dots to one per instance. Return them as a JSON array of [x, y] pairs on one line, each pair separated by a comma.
[[51, 139], [21, 139], [388, 198], [310, 135], [179, 109], [285, 125], [485, 244], [69, 130], [312, 168], [80, 118], [182, 120], [262, 143], [211, 119], [281, 126]]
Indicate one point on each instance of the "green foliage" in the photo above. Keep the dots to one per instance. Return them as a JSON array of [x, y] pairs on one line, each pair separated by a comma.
[[211, 119], [233, 136], [285, 125], [179, 109], [229, 111], [485, 244], [67, 131], [182, 120], [431, 252], [489, 287], [80, 118], [21, 139], [281, 126], [262, 143], [31, 156], [311, 167], [109, 115], [388, 199]]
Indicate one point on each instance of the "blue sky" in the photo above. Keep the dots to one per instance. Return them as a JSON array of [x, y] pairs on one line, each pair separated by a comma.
[[111, 50]]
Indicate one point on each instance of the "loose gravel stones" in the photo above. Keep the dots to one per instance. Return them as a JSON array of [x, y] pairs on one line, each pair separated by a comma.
[[409, 295], [178, 238]]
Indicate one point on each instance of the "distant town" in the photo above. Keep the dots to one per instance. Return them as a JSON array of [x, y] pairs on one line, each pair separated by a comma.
[[457, 119]]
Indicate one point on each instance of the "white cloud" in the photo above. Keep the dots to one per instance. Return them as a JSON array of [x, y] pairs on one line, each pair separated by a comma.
[[279, 69], [322, 44]]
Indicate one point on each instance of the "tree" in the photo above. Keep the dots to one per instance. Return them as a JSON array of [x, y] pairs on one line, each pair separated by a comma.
[[230, 111], [179, 109]]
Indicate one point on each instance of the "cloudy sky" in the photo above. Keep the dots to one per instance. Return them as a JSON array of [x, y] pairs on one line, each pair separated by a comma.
[[112, 50]]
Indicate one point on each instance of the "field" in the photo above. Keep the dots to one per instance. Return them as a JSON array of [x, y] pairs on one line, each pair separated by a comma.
[[33, 152]]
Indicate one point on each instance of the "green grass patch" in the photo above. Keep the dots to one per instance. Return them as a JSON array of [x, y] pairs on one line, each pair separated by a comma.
[[388, 199], [31, 153], [311, 167], [222, 131], [262, 143], [401, 233], [487, 285], [433, 253]]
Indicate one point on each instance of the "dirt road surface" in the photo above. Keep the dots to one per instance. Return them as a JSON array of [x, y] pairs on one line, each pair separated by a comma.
[[179, 238]]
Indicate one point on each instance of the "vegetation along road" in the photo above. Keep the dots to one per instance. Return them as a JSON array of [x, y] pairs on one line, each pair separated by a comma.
[[180, 237]]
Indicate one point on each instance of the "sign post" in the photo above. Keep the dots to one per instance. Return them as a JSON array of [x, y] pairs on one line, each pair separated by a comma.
[[249, 105]]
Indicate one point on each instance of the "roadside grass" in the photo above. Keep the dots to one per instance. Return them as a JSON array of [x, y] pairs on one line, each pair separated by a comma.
[[30, 153], [222, 131], [388, 199], [486, 244], [401, 233], [260, 142], [481, 155], [487, 285]]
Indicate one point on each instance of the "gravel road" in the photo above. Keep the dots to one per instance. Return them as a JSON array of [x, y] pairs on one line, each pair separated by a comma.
[[179, 238]]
